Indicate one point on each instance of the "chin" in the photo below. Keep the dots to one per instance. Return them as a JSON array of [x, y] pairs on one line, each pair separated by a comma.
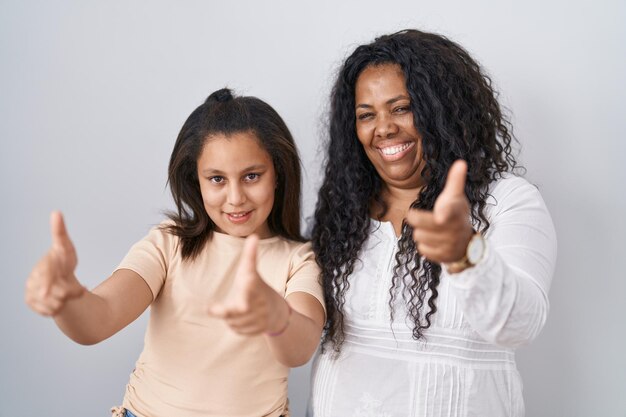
[[240, 233]]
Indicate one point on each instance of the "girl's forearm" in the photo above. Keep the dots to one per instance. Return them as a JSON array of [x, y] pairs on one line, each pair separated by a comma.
[[85, 319], [96, 315], [300, 336]]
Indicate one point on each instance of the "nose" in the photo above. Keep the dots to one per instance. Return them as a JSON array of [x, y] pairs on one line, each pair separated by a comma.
[[236, 194], [385, 126]]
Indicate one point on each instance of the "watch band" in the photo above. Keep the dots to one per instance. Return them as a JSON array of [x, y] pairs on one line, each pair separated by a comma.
[[459, 265], [466, 261]]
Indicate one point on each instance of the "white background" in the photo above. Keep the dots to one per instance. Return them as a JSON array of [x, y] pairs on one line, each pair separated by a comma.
[[93, 93]]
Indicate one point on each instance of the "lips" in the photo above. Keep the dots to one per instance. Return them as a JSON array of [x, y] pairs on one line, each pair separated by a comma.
[[393, 152], [239, 217]]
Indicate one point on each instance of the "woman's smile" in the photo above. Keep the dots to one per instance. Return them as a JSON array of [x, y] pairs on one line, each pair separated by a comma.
[[385, 127], [395, 152]]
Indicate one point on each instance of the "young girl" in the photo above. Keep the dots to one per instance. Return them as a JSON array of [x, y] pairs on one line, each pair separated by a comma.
[[234, 290]]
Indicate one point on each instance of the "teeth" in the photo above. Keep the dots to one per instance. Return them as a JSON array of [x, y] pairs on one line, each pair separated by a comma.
[[237, 215], [392, 150]]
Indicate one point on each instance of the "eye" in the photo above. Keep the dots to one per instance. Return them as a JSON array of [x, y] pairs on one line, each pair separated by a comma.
[[365, 116], [401, 109], [252, 176], [218, 179]]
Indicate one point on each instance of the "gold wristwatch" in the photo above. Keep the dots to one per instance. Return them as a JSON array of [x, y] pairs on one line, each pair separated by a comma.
[[474, 253]]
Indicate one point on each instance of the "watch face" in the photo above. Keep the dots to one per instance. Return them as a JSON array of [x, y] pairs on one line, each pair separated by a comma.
[[475, 249]]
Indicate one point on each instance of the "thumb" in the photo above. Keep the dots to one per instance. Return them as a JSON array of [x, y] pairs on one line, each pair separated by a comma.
[[247, 261], [455, 182], [60, 237], [453, 192]]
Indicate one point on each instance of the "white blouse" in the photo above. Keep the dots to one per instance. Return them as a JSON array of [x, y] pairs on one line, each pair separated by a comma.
[[465, 365]]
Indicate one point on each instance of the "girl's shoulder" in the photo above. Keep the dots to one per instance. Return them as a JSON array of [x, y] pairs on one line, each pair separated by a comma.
[[160, 238], [293, 250], [286, 243], [165, 231]]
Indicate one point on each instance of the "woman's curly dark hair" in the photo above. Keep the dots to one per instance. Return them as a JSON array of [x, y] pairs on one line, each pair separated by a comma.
[[455, 109]]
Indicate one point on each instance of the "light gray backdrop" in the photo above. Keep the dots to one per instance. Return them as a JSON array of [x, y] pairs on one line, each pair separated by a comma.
[[93, 93]]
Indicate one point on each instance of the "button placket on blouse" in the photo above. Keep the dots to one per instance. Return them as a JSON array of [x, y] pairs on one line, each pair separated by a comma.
[[384, 278]]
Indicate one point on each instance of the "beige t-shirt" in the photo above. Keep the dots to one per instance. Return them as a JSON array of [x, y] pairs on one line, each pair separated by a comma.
[[193, 364]]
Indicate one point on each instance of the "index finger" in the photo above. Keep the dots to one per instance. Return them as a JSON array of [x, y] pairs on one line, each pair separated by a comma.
[[217, 310], [247, 262], [43, 276], [421, 219]]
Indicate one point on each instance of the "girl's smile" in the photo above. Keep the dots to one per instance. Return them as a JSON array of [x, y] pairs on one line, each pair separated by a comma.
[[239, 218]]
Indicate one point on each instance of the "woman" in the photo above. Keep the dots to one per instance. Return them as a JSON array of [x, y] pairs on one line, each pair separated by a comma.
[[436, 259]]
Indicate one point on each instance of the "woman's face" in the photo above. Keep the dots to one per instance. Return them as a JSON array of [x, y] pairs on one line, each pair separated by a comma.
[[237, 182], [384, 126]]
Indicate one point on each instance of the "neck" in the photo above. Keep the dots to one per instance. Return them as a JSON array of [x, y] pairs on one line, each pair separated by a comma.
[[398, 201]]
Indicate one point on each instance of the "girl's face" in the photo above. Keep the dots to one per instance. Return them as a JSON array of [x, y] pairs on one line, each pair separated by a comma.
[[237, 182], [384, 126]]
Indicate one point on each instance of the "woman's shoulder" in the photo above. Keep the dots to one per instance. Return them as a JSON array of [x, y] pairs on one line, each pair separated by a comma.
[[509, 186], [508, 182], [513, 192]]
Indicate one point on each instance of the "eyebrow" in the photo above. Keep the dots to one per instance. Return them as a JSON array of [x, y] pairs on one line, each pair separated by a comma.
[[390, 101], [211, 171]]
